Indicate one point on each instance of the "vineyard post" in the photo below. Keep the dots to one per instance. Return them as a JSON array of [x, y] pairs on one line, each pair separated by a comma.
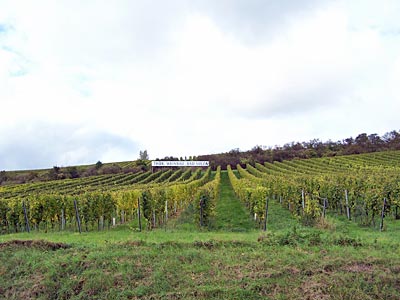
[[139, 216], [166, 211], [341, 207], [78, 219], [166, 214], [324, 211], [62, 219], [303, 203], [201, 210], [383, 213], [280, 199], [266, 213], [101, 223], [347, 204], [26, 217]]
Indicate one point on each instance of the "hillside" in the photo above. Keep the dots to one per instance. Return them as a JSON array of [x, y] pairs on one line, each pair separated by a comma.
[[320, 228], [315, 148]]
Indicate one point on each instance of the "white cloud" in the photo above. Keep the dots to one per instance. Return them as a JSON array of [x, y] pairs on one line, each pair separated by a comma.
[[187, 79]]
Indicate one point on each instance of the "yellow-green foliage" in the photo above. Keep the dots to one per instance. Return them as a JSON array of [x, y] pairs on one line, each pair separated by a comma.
[[249, 191], [49, 208], [210, 194], [366, 186]]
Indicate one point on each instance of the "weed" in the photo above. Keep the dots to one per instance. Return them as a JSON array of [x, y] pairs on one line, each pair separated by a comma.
[[347, 241]]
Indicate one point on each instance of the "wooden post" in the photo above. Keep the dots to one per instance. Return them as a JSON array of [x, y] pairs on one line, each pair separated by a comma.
[[201, 210], [101, 222], [78, 219], [140, 217], [383, 213], [28, 229], [303, 202], [266, 214], [166, 211], [62, 219], [341, 207], [280, 199], [347, 204]]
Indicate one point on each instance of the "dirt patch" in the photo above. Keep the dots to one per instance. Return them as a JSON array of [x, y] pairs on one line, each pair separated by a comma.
[[293, 271], [314, 290], [78, 287], [35, 290], [38, 287], [38, 244], [359, 268], [395, 269], [206, 244], [133, 243]]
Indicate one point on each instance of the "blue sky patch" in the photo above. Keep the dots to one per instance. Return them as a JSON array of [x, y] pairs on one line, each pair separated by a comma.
[[3, 28], [18, 72]]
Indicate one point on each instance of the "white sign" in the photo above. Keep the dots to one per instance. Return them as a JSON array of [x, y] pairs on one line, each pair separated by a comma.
[[179, 163]]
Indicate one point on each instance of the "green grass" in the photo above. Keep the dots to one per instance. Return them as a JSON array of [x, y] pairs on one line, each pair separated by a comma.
[[230, 212], [172, 265], [233, 261]]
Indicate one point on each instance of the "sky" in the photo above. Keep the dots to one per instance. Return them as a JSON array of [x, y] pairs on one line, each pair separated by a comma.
[[82, 81]]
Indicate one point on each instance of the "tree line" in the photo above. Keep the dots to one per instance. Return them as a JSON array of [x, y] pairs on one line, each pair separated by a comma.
[[71, 172], [363, 143]]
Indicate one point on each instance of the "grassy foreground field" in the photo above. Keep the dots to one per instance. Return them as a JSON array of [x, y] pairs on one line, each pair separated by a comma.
[[232, 260]]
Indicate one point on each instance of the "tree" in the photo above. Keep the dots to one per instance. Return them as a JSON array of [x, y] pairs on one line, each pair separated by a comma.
[[256, 150], [375, 142], [392, 140], [143, 155], [362, 140], [73, 172], [143, 161], [3, 176], [99, 164], [53, 173]]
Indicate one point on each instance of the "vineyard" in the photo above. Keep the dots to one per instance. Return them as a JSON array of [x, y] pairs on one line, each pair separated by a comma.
[[364, 188], [103, 201], [321, 228]]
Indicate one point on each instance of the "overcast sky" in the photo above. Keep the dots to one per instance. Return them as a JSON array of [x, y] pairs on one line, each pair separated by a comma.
[[82, 81]]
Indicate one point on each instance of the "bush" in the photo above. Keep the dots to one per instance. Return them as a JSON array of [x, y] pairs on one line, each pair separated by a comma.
[[113, 169]]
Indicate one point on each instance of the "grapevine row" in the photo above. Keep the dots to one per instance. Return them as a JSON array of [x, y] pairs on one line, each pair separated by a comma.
[[50, 211]]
